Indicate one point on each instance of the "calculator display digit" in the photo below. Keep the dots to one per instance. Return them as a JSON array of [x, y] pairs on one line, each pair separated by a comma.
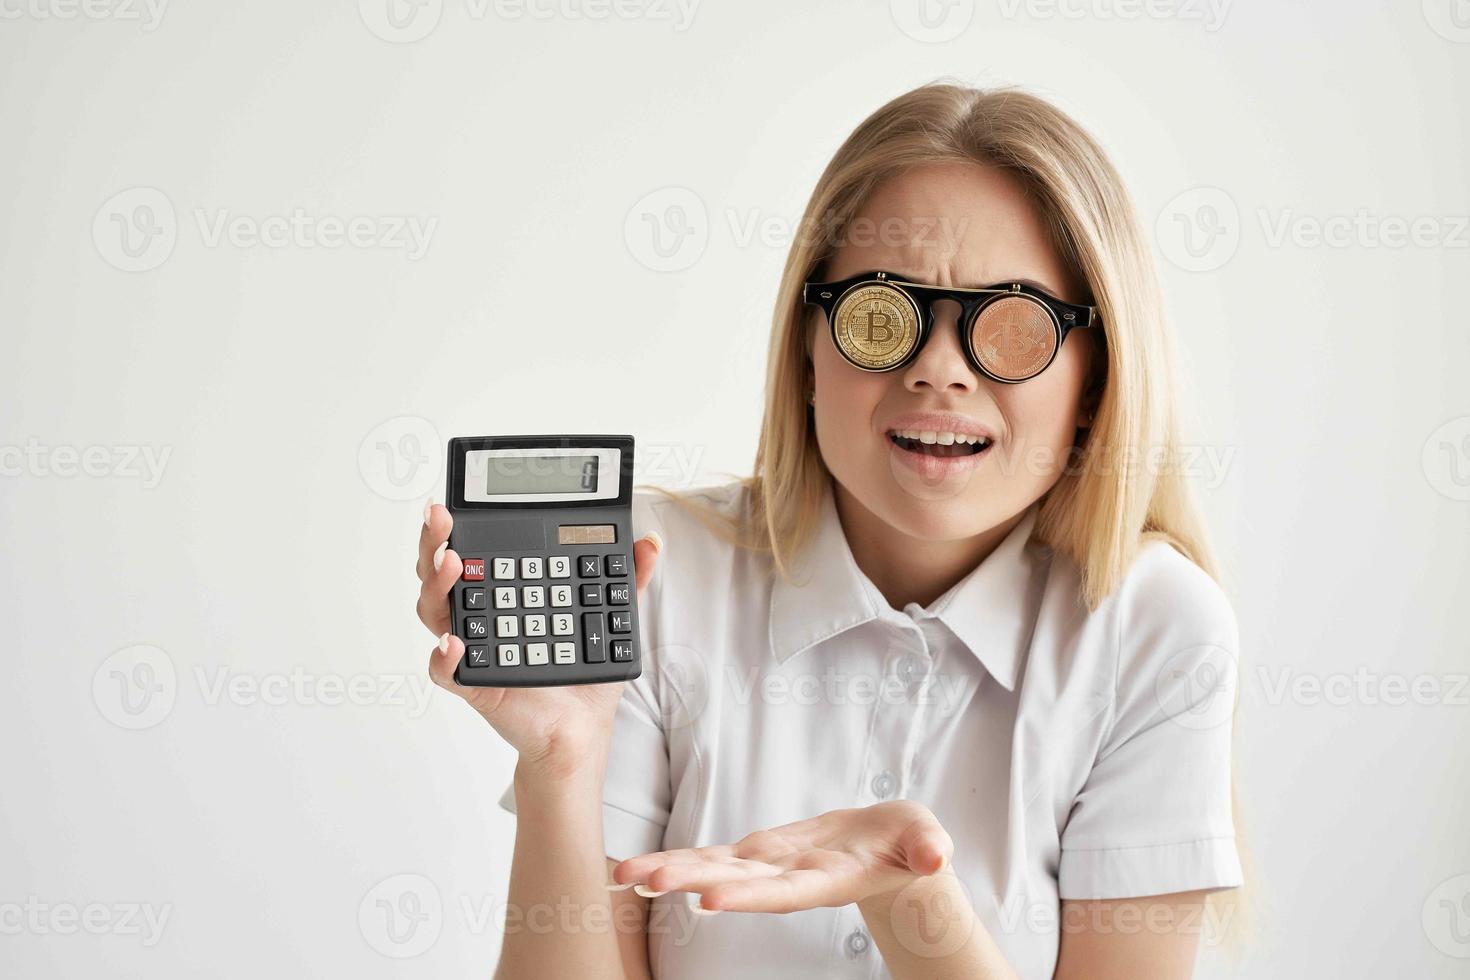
[[541, 474]]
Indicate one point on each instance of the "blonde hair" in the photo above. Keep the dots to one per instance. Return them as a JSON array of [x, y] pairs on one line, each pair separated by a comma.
[[1107, 504]]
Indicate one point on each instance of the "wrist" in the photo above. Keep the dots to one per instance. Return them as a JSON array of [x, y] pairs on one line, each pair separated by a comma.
[[558, 772]]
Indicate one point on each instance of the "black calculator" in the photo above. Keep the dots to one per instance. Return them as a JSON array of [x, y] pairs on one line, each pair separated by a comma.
[[544, 527]]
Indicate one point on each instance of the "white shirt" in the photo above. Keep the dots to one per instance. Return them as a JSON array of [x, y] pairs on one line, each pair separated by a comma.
[[1068, 754]]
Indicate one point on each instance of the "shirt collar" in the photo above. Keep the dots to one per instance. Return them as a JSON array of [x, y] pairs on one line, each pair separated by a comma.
[[991, 610]]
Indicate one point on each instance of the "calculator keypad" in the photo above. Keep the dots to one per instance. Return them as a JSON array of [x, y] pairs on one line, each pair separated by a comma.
[[540, 618]]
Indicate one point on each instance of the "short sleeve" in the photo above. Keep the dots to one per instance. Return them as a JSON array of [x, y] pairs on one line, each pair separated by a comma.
[[636, 791], [1154, 814]]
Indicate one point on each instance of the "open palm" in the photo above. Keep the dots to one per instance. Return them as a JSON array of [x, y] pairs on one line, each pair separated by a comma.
[[837, 858]]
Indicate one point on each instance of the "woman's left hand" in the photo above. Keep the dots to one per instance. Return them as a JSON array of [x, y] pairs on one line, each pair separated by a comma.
[[838, 858]]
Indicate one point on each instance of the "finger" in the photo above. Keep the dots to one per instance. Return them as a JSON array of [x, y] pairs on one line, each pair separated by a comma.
[[442, 661], [639, 868], [646, 551], [699, 876], [789, 892], [926, 846], [433, 604], [437, 524]]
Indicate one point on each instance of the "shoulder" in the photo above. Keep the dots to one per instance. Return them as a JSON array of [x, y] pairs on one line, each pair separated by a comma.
[[1169, 620], [1165, 593]]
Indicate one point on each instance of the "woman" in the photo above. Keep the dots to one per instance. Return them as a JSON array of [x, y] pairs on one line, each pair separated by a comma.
[[944, 689]]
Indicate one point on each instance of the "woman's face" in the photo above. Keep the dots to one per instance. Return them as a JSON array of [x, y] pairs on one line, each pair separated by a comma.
[[953, 225]]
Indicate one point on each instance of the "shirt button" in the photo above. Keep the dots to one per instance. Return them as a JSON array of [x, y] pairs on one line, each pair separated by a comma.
[[857, 943], [910, 670], [883, 785]]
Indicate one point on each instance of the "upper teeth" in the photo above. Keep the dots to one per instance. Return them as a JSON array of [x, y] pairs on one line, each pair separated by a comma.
[[942, 438]]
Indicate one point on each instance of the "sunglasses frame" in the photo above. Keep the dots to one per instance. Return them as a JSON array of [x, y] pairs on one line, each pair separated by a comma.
[[1065, 317]]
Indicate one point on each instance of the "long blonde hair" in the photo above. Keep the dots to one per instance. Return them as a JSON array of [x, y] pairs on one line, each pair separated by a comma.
[[1110, 500]]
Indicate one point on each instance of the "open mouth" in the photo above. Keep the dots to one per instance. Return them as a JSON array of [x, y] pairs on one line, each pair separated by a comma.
[[939, 443]]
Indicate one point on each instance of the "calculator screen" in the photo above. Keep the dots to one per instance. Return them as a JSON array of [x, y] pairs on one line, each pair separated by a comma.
[[541, 474], [548, 474]]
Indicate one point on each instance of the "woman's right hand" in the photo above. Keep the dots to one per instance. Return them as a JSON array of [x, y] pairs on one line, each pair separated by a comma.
[[558, 728]]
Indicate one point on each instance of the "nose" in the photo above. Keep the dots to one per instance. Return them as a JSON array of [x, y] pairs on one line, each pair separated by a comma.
[[941, 366]]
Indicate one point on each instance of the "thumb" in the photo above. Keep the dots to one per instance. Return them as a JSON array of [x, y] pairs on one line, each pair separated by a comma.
[[927, 847]]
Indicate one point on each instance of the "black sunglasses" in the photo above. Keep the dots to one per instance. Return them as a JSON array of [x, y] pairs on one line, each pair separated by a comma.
[[1010, 333]]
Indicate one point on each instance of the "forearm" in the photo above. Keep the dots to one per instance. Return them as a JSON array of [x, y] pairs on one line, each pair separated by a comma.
[[929, 931], [559, 913]]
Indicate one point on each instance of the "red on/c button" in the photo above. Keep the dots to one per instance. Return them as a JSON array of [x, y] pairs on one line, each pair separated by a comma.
[[474, 570]]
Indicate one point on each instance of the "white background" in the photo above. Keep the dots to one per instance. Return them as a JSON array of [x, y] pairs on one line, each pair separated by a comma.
[[301, 391]]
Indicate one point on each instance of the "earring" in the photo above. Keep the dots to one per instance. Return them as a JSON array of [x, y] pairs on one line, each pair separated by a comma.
[[811, 397]]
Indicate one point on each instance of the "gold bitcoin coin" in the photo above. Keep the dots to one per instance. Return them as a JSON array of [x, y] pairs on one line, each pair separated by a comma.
[[1013, 337], [875, 326]]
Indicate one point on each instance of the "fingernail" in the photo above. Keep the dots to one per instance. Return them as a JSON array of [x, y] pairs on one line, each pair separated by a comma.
[[444, 643], [613, 886], [439, 556], [657, 539], [701, 910], [647, 892], [428, 508]]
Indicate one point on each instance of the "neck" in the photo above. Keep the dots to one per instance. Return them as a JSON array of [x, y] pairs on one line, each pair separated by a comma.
[[905, 568]]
